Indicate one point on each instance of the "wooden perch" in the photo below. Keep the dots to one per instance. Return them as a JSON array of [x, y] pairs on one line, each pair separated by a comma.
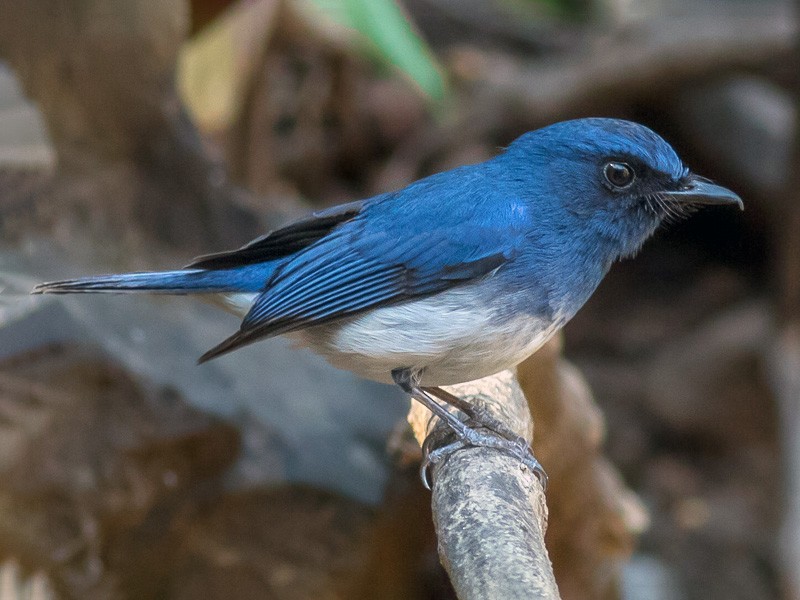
[[640, 60], [489, 512], [594, 519]]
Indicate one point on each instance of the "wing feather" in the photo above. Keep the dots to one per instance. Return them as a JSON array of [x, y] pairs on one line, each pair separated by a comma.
[[281, 242], [436, 234]]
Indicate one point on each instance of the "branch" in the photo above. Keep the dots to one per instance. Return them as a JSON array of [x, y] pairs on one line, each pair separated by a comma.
[[643, 59], [490, 514], [594, 518]]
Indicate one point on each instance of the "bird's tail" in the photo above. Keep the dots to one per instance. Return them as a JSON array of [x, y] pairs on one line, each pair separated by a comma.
[[185, 281]]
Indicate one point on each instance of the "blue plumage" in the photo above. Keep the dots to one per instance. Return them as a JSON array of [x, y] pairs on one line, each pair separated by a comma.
[[460, 274]]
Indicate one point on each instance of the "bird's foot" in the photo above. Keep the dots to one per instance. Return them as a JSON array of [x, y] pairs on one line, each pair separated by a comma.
[[477, 414], [495, 435], [470, 437], [432, 456]]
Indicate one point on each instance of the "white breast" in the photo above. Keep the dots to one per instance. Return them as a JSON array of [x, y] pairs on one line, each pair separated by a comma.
[[451, 337]]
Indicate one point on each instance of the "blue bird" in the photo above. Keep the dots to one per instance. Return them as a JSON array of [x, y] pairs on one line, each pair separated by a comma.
[[459, 275]]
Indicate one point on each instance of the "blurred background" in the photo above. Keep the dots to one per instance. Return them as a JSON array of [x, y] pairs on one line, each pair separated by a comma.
[[136, 134]]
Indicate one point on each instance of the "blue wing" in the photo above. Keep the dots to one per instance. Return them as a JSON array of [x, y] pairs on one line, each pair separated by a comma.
[[436, 234]]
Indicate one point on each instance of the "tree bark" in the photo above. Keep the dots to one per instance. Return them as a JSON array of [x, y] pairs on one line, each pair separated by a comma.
[[489, 511]]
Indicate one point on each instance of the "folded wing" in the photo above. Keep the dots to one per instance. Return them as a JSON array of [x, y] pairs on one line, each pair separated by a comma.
[[382, 256]]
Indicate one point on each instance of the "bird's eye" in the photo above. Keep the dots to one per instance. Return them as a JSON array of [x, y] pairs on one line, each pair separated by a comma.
[[620, 175]]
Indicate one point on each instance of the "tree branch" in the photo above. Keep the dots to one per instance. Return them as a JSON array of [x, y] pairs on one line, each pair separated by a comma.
[[606, 72], [489, 513], [641, 60], [594, 519]]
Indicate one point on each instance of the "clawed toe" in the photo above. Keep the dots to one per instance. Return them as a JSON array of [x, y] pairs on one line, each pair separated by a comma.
[[481, 430], [518, 448], [432, 456]]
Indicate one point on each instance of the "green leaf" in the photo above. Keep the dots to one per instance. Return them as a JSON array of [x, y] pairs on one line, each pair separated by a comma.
[[384, 24]]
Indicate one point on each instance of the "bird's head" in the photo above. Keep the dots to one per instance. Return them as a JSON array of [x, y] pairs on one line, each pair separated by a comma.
[[616, 179]]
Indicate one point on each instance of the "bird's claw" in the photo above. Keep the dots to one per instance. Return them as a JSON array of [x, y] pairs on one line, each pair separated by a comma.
[[520, 449], [432, 456], [537, 469], [517, 447]]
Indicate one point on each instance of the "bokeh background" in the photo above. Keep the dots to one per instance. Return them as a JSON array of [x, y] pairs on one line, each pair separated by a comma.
[[136, 134]]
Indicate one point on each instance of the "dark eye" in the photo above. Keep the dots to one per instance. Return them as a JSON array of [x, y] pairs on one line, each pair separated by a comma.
[[618, 174]]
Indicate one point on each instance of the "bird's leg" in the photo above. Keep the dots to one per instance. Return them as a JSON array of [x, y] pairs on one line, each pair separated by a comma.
[[409, 382], [484, 418], [504, 440], [476, 413]]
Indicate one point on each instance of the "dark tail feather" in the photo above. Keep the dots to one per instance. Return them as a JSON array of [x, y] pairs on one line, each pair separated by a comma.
[[228, 345], [189, 281]]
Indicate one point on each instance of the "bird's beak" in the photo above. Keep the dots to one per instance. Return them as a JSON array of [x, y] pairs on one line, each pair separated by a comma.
[[699, 190]]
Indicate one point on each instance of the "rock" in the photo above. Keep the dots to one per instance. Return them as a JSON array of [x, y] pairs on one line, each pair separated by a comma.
[[301, 419], [292, 543], [648, 578], [88, 456]]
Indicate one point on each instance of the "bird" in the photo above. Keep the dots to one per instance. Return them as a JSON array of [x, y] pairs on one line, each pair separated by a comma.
[[459, 275]]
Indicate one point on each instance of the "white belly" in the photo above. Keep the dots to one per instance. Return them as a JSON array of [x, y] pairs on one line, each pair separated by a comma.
[[450, 337]]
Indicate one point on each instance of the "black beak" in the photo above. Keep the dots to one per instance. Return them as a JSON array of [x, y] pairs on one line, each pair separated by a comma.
[[699, 190]]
